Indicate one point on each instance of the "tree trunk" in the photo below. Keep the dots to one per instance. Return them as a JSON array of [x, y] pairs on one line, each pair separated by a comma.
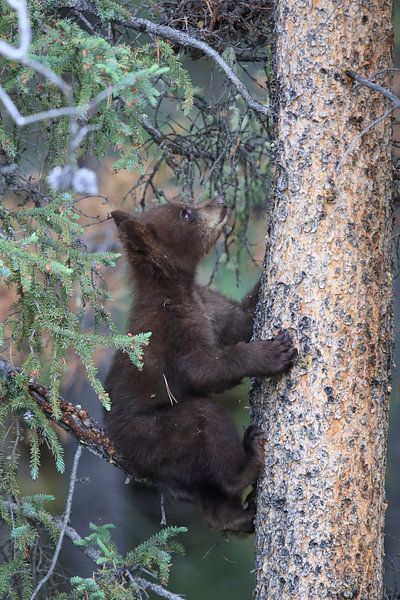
[[328, 281]]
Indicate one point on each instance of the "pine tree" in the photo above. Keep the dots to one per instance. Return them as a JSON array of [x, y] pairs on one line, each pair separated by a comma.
[[111, 84]]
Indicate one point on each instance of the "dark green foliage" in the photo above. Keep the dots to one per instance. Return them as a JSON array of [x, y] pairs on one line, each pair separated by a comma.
[[86, 588], [26, 521], [91, 64], [50, 257], [154, 555], [156, 552]]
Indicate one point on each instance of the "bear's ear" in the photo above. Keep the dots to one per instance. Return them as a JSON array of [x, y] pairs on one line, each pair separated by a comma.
[[120, 216], [137, 237]]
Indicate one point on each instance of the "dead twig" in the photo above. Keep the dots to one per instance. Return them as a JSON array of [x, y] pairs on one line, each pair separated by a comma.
[[64, 523], [361, 134], [375, 86]]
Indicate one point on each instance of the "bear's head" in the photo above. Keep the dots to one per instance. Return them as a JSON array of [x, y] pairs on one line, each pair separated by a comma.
[[171, 239]]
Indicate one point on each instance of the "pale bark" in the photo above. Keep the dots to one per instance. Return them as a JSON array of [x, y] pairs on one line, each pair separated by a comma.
[[328, 280]]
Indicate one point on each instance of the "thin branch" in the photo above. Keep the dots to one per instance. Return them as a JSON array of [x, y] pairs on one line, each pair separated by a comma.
[[183, 39], [157, 589], [75, 420], [55, 113], [186, 40], [16, 53], [64, 523], [178, 146], [21, 121], [361, 134], [93, 554], [377, 88], [20, 53], [374, 86], [163, 521]]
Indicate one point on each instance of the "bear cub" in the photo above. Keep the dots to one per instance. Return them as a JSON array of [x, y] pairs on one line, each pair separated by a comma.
[[162, 419]]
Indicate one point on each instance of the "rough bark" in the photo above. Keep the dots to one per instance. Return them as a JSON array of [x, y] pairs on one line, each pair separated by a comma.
[[328, 280]]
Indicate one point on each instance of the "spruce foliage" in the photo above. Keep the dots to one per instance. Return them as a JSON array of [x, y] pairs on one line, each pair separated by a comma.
[[55, 279]]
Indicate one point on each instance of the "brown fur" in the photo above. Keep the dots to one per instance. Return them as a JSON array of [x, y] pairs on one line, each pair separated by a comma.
[[161, 418]]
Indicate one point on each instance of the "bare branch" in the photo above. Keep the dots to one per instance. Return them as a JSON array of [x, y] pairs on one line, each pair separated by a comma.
[[21, 121], [178, 145], [374, 86], [163, 521], [184, 39], [64, 523], [361, 134], [157, 589], [377, 88]]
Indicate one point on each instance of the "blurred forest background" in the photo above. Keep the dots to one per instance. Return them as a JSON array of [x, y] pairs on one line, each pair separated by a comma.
[[213, 568]]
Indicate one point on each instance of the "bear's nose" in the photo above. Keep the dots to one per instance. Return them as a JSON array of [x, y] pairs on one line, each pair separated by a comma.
[[220, 200]]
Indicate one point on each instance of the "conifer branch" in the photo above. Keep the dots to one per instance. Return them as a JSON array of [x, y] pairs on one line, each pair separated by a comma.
[[93, 554], [74, 419], [20, 54], [184, 39], [180, 37], [62, 178], [84, 111]]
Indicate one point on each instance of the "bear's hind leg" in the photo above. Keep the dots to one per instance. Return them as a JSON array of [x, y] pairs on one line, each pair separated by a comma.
[[237, 470], [226, 514]]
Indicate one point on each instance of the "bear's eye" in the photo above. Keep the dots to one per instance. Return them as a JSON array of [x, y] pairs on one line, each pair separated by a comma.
[[186, 214]]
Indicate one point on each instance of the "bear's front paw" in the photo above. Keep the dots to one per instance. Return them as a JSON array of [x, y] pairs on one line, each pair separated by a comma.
[[279, 354], [254, 436], [254, 442]]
